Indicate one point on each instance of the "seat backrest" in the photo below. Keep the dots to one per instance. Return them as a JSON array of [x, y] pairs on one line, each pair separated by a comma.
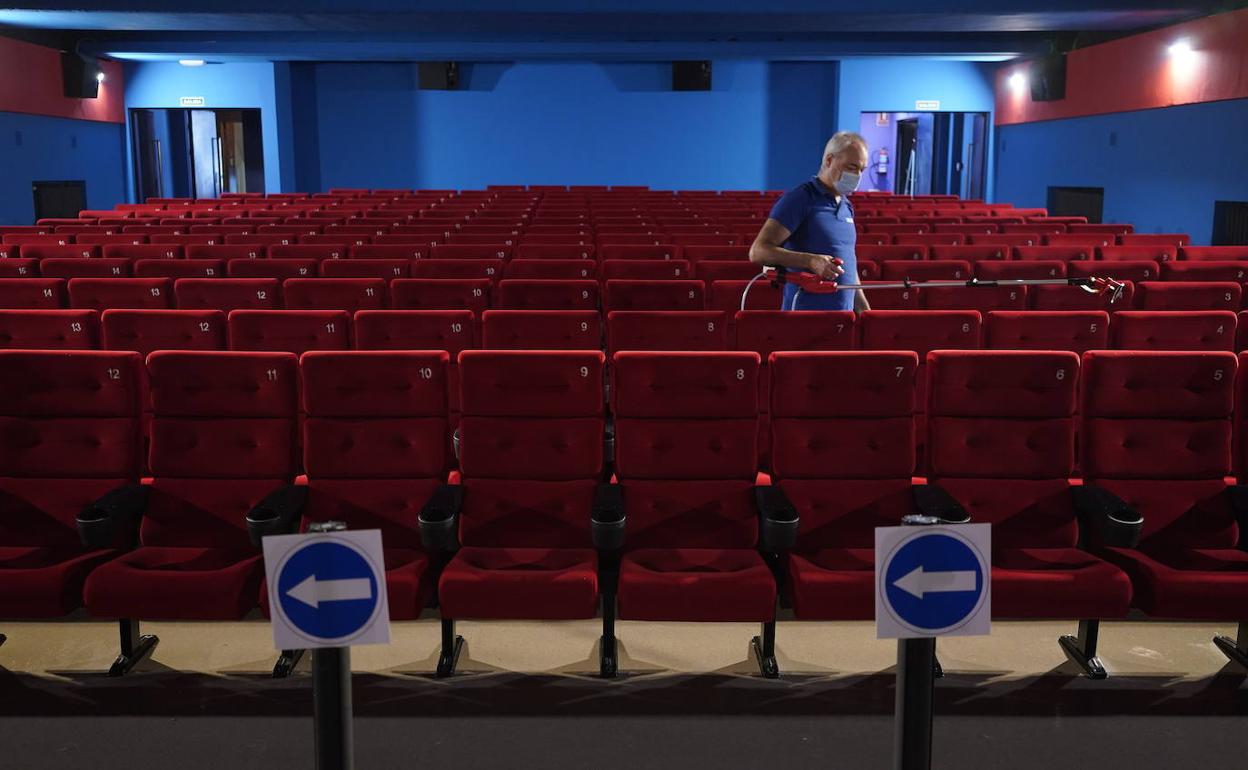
[[132, 293], [537, 294], [350, 294], [624, 294], [386, 269], [222, 438], [766, 331], [69, 432], [375, 437], [145, 331], [844, 417], [449, 330], [666, 330], [1188, 295], [542, 330], [531, 446], [1156, 432], [178, 268], [292, 331], [1076, 298], [440, 294], [920, 331], [56, 267], [49, 330], [982, 298], [271, 268], [548, 269], [930, 270], [1073, 330], [1001, 440], [686, 447], [1208, 270], [1173, 330], [32, 293], [1195, 253], [226, 294]]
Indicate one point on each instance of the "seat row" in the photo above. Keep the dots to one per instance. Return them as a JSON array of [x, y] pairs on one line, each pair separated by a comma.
[[762, 331], [670, 519]]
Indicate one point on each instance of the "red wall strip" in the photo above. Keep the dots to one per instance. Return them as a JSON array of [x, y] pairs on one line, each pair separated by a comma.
[[30, 82], [1139, 73]]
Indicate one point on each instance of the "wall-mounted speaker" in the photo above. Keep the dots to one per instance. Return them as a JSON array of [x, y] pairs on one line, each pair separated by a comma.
[[1048, 78], [80, 76], [439, 75], [691, 76]]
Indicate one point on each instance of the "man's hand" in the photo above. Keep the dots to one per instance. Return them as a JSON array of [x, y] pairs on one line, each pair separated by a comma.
[[825, 267]]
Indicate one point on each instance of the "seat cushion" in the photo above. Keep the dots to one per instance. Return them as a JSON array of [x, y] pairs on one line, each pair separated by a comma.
[[520, 584], [155, 583], [44, 582], [1057, 583], [1189, 583], [696, 584], [408, 586], [833, 584]]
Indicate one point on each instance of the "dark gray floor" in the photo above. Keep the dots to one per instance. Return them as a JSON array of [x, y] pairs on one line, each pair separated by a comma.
[[162, 719]]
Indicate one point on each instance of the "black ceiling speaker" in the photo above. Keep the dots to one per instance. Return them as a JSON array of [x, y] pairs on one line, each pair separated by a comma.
[[80, 76], [1048, 78], [439, 75], [691, 76]]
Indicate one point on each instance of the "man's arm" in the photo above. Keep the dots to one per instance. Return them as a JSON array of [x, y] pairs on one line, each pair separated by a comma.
[[860, 301], [767, 250]]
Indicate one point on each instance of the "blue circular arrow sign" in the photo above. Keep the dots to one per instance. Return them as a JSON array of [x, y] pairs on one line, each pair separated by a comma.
[[933, 582], [328, 591]]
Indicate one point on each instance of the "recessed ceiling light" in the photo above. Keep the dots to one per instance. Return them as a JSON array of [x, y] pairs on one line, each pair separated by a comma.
[[1017, 81], [191, 62]]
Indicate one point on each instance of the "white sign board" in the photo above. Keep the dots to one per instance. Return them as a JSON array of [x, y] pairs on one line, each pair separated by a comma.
[[191, 101], [927, 105], [327, 589], [933, 581]]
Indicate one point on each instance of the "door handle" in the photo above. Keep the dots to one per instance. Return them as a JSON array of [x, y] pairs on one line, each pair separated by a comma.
[[160, 169]]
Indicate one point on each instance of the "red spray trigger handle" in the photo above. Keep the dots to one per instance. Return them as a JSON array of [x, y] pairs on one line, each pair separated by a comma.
[[807, 282]]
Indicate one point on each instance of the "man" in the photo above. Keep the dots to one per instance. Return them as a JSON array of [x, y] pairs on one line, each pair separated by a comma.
[[812, 225]]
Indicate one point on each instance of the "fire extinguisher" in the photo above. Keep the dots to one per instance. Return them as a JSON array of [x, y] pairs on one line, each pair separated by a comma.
[[881, 162]]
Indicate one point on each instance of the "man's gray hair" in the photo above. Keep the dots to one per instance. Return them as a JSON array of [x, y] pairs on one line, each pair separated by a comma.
[[841, 141]]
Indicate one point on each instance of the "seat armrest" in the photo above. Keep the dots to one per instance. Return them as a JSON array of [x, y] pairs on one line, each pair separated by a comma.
[[608, 518], [277, 514], [439, 518], [1105, 519], [1239, 504], [111, 520], [935, 501], [778, 520]]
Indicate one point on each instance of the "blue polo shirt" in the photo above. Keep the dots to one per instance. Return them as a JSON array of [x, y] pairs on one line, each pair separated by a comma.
[[819, 225]]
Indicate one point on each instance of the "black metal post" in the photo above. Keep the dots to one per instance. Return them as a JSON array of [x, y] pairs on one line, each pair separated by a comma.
[[915, 691], [331, 698]]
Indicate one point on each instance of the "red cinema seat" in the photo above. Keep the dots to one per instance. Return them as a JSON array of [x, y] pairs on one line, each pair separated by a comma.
[[85, 268], [142, 251], [1173, 330], [1075, 330], [1121, 270], [543, 251], [1001, 445], [462, 269], [712, 270], [179, 268], [461, 251], [646, 269], [1156, 439], [843, 455], [315, 251], [532, 294], [1077, 298], [1061, 252], [1217, 253], [69, 445], [145, 331], [666, 330], [1179, 240], [981, 298], [930, 270], [292, 331], [49, 330], [531, 458], [1188, 295], [375, 450], [42, 251], [222, 452], [608, 250], [453, 331], [226, 294], [1013, 270], [549, 269], [130, 293], [386, 269], [32, 293], [350, 294], [653, 295], [18, 268], [280, 269], [1235, 271], [440, 294], [1159, 253], [686, 458], [227, 252], [542, 330]]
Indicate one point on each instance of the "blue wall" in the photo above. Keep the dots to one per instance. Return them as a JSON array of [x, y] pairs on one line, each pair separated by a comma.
[[36, 148], [1161, 169], [230, 85], [894, 84]]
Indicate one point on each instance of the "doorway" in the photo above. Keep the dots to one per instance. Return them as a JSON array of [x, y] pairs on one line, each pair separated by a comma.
[[196, 153], [925, 153]]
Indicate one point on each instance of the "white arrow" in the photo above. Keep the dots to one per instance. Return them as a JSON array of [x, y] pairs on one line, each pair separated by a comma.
[[312, 591], [917, 582]]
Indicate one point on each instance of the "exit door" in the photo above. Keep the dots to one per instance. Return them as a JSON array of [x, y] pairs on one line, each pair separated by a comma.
[[196, 153]]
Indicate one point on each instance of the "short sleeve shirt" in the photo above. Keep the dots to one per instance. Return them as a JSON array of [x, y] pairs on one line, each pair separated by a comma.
[[819, 224]]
